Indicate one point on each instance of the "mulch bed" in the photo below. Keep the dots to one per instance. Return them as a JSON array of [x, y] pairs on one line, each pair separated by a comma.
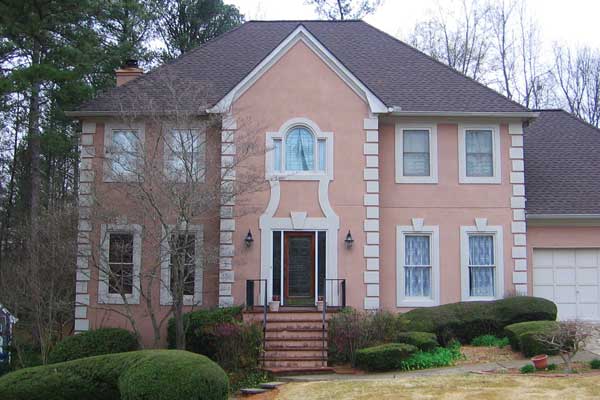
[[483, 355]]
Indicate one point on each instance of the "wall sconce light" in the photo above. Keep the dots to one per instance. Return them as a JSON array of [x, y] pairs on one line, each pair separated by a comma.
[[349, 241], [249, 239]]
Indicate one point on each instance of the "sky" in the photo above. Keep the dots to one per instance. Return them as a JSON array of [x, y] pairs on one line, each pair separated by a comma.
[[572, 22]]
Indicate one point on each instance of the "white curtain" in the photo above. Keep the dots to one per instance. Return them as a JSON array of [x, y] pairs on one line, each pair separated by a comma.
[[479, 145], [415, 145], [481, 265], [417, 266], [299, 150]]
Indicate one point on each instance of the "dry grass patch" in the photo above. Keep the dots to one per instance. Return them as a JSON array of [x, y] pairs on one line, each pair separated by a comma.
[[457, 387], [482, 355]]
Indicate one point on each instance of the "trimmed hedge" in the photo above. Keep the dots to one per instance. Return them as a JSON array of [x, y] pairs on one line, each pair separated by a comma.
[[148, 375], [466, 320], [385, 357], [523, 337], [93, 343], [424, 341]]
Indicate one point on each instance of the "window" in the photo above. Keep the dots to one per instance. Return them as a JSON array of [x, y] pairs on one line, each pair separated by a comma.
[[479, 155], [184, 155], [416, 153], [299, 150], [482, 268], [120, 261], [183, 262], [123, 149], [417, 265]]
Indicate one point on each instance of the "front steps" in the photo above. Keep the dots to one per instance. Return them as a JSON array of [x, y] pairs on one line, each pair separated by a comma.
[[294, 341]]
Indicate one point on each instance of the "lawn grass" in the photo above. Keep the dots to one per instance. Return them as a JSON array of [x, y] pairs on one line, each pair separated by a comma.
[[453, 387]]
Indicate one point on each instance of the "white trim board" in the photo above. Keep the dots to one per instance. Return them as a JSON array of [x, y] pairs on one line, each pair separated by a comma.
[[300, 34]]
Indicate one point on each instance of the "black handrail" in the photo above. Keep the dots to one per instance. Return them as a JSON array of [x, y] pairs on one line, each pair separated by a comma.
[[342, 303], [250, 304]]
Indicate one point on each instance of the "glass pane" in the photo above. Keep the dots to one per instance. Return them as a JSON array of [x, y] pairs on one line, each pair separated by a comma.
[[417, 281], [300, 267], [481, 250], [185, 154], [479, 153], [416, 250], [481, 280], [415, 164], [415, 144], [299, 150], [322, 155], [277, 155], [277, 263], [322, 248], [124, 141], [183, 262], [416, 141], [120, 263], [120, 248]]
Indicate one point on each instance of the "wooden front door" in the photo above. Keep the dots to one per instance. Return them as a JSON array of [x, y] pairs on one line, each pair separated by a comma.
[[299, 269]]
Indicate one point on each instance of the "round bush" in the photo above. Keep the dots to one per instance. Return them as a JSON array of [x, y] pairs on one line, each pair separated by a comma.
[[424, 341], [385, 357], [148, 375], [514, 331], [93, 343]]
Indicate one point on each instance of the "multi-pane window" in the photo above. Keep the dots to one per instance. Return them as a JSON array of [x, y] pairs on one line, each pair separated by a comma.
[[479, 149], [183, 262], [482, 266], [299, 150], [184, 154], [277, 155], [120, 263], [417, 266], [124, 151], [415, 152]]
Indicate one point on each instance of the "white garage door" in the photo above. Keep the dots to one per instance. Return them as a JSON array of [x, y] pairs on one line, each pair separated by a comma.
[[570, 278]]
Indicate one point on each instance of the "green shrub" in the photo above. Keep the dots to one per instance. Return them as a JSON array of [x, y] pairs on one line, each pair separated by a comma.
[[489, 341], [467, 320], [93, 343], [350, 330], [424, 341], [523, 337], [552, 367], [595, 363], [527, 369], [385, 357], [438, 357], [148, 375]]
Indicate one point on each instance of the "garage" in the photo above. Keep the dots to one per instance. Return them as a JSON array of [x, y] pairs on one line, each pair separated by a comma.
[[570, 278]]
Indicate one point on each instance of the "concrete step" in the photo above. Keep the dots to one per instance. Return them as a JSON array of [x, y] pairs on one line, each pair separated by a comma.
[[271, 385], [299, 371], [297, 339], [294, 363], [293, 353], [253, 391], [294, 345]]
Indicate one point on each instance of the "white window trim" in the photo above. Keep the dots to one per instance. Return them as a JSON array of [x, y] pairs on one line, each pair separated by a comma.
[[496, 178], [109, 127], [201, 128], [496, 231], [165, 267], [104, 297], [313, 175], [433, 232], [433, 153]]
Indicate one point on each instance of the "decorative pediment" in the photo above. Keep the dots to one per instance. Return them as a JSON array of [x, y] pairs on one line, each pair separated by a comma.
[[417, 224], [298, 219]]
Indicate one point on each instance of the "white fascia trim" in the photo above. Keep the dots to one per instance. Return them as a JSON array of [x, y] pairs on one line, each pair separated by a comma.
[[300, 33], [433, 153], [316, 175], [496, 151], [165, 267], [104, 297], [109, 127], [524, 114], [433, 232], [563, 216], [496, 231]]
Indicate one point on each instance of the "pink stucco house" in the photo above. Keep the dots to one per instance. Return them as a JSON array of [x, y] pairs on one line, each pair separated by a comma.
[[390, 182]]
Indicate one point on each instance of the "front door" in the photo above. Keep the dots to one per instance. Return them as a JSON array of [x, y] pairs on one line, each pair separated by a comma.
[[299, 269]]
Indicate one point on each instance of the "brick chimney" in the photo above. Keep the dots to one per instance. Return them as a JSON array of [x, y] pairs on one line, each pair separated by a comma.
[[128, 72]]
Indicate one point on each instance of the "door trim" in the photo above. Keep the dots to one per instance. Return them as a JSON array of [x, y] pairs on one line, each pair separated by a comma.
[[286, 236]]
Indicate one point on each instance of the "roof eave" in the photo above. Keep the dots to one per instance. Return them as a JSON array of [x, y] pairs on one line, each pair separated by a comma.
[[563, 220], [89, 114], [488, 114]]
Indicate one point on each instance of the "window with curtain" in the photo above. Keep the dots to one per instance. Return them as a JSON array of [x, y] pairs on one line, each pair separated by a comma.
[[277, 155], [416, 153], [482, 266], [124, 151], [299, 150], [479, 147], [184, 154], [120, 263], [182, 262], [322, 149], [417, 266]]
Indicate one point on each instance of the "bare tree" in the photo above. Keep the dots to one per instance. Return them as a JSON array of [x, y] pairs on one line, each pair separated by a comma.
[[173, 181], [344, 9], [567, 339]]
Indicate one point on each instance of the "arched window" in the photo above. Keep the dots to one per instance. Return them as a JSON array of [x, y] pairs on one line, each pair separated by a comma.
[[299, 150]]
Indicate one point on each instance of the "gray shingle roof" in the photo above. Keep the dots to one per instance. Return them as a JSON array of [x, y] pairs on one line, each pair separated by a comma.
[[562, 165], [397, 73]]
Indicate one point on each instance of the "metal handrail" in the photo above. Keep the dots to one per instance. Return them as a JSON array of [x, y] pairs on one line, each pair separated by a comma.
[[250, 304], [342, 287]]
